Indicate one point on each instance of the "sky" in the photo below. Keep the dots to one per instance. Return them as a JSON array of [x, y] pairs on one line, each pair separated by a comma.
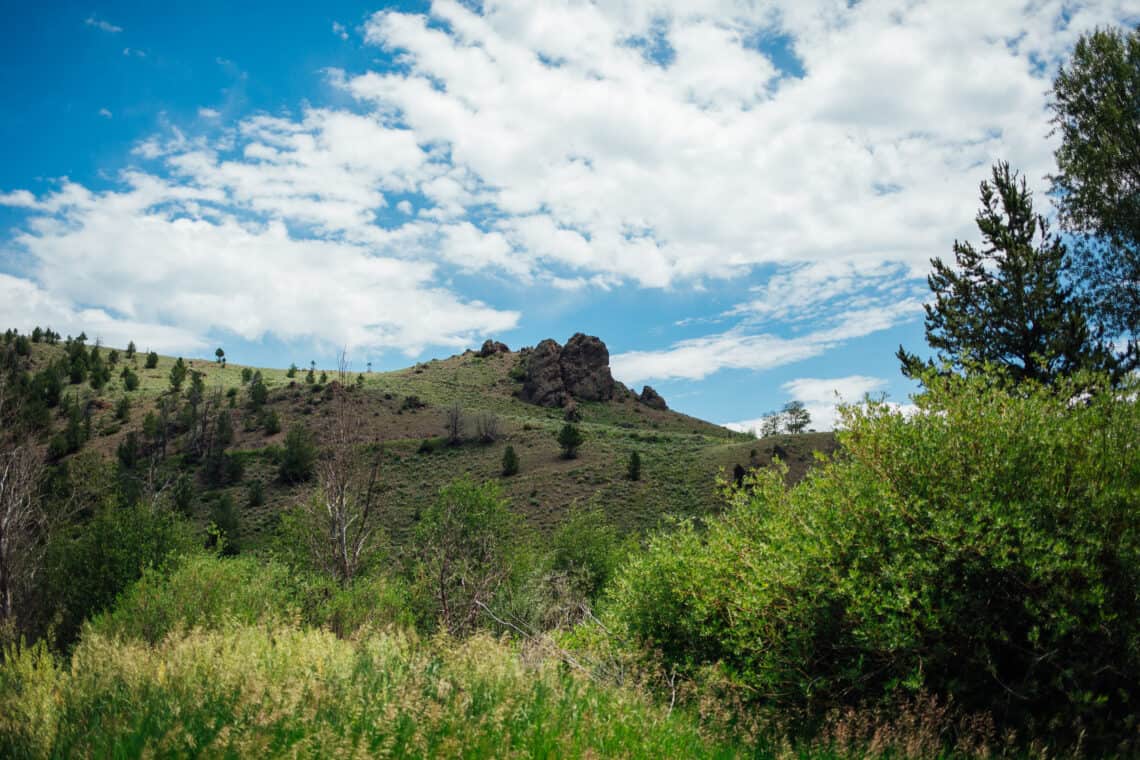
[[741, 198]]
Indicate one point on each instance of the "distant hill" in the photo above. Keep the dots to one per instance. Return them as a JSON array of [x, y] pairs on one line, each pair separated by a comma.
[[405, 412]]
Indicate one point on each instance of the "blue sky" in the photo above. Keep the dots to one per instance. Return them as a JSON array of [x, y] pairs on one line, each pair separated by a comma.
[[740, 198]]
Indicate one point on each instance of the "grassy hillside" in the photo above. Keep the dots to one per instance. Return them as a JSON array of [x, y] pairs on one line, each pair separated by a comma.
[[683, 458]]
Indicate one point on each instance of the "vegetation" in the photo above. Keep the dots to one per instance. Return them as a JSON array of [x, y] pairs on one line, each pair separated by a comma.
[[1097, 184], [1007, 304], [569, 439], [510, 462], [889, 572]]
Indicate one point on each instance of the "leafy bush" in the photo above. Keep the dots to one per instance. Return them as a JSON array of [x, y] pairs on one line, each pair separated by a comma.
[[985, 550], [202, 591], [91, 564], [151, 360]]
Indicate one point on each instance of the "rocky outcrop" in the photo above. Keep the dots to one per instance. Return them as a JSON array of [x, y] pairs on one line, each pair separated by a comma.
[[652, 398], [556, 375], [543, 384], [492, 347], [586, 368]]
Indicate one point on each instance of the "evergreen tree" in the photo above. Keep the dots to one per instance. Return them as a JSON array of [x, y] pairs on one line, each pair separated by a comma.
[[634, 469], [151, 359], [177, 374], [299, 456], [510, 462], [569, 438], [1007, 304]]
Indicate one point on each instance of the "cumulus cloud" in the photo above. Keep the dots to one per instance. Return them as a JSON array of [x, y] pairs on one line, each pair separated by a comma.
[[208, 113], [820, 153], [339, 30]]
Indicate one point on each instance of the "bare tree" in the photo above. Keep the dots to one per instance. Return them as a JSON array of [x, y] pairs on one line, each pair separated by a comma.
[[341, 522], [487, 427], [454, 424], [22, 517]]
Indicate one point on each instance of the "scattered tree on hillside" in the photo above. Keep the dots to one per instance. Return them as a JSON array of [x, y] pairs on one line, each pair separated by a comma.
[[454, 424], [796, 417], [220, 355], [298, 457], [1007, 304], [487, 427], [292, 371], [151, 360], [131, 350], [1096, 112], [510, 462], [569, 438], [177, 375], [633, 471]]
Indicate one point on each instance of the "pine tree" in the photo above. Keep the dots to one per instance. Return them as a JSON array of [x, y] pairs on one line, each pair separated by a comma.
[[510, 462], [634, 469], [569, 438], [1007, 304]]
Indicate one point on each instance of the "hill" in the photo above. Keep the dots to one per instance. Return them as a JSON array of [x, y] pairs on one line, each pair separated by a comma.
[[405, 412]]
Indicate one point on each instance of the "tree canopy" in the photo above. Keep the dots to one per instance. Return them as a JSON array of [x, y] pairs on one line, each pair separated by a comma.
[[1007, 303], [1096, 112]]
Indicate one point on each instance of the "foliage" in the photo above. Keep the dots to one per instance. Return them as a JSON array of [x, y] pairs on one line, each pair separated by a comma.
[[90, 564], [569, 439], [986, 550], [510, 464], [633, 469], [286, 691], [177, 374], [271, 422], [151, 359], [587, 548], [1097, 184], [464, 543], [130, 379], [1007, 304], [796, 417], [200, 591], [227, 524], [298, 456]]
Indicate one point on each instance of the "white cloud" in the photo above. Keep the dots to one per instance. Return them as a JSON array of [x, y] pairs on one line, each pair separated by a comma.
[[822, 398], [24, 305], [208, 113], [103, 25], [105, 113], [697, 358], [134, 52], [585, 146]]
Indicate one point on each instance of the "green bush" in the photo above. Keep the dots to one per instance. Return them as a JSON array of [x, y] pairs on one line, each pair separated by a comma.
[[986, 550], [151, 360], [569, 439], [89, 565], [201, 591], [510, 462]]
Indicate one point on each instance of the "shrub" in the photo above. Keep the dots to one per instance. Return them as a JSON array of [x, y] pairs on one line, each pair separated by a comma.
[[246, 375], [633, 471], [984, 550], [201, 591], [510, 462], [255, 494], [151, 360], [123, 409], [130, 379], [226, 525], [569, 438], [177, 374], [271, 422], [298, 456]]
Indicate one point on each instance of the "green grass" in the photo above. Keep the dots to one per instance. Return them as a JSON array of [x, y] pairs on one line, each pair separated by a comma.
[[287, 691]]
